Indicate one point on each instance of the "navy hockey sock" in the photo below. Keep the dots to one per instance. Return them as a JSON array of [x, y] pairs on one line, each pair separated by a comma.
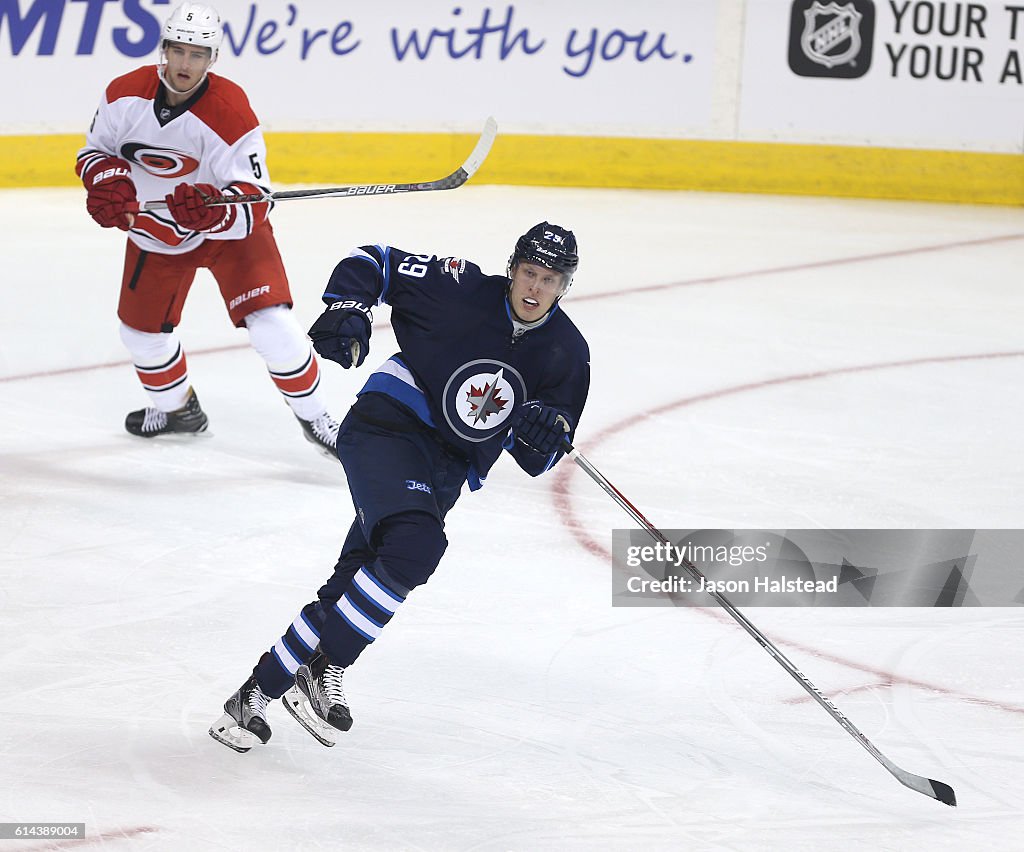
[[360, 614], [409, 546], [275, 672]]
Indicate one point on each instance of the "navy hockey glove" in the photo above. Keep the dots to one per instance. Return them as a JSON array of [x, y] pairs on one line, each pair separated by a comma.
[[342, 333], [188, 206], [541, 427], [111, 201]]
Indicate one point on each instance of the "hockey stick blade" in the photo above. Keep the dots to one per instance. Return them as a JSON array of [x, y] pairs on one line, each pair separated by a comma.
[[929, 787], [453, 181]]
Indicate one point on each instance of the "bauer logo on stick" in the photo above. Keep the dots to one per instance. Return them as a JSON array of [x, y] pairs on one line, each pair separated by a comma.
[[375, 189]]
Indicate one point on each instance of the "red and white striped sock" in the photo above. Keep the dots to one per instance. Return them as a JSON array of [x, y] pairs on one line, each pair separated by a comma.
[[160, 365], [276, 335]]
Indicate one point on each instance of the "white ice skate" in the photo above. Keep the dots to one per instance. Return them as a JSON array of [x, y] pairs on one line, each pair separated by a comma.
[[244, 722], [317, 701]]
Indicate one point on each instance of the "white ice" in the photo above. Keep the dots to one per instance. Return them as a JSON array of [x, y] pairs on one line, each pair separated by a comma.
[[509, 705]]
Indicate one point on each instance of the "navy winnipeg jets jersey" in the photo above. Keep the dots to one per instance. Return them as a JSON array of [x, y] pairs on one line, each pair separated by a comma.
[[466, 363]]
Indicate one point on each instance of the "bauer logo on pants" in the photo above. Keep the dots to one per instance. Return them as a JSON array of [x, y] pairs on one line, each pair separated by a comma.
[[480, 397], [831, 39]]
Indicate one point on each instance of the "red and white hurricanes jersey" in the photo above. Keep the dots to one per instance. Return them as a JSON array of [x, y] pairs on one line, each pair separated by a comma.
[[213, 138]]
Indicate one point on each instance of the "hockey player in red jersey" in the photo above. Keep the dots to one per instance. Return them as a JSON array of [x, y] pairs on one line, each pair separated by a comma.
[[177, 132]]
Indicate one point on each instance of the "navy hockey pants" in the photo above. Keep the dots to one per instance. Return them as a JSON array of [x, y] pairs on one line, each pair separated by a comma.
[[403, 482]]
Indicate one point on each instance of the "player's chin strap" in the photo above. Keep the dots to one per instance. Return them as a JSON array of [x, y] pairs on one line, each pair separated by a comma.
[[519, 328]]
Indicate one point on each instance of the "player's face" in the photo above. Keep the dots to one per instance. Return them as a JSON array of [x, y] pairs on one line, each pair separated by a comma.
[[534, 290], [186, 65]]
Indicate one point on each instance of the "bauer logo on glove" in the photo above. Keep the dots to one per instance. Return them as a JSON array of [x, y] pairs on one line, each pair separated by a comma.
[[342, 332], [117, 171], [111, 198]]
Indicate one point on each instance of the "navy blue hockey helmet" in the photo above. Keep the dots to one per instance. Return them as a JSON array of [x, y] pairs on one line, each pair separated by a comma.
[[547, 245]]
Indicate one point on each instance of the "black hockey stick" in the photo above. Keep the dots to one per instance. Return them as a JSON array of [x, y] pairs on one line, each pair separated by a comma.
[[452, 181], [936, 789]]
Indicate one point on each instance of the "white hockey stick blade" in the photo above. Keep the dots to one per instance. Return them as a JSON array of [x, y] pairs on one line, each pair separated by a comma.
[[482, 149], [929, 786], [452, 181], [297, 706]]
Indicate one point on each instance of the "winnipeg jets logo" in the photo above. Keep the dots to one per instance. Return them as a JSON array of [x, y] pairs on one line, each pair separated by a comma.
[[453, 266], [480, 397], [162, 162], [485, 401]]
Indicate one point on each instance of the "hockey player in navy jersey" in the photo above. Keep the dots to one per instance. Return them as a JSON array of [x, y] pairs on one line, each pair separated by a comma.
[[488, 363], [177, 132]]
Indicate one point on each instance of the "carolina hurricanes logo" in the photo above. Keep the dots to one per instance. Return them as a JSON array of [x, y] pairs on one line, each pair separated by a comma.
[[480, 397], [161, 162]]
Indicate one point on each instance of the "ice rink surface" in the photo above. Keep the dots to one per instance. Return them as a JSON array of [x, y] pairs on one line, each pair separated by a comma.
[[758, 362]]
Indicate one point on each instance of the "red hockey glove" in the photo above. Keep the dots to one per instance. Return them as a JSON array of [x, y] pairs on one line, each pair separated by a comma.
[[188, 206], [111, 200]]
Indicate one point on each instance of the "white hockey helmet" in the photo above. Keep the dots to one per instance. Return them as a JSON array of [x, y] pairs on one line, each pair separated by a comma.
[[194, 23]]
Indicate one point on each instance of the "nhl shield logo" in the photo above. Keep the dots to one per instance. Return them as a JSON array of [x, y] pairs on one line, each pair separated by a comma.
[[831, 33], [479, 399], [831, 39]]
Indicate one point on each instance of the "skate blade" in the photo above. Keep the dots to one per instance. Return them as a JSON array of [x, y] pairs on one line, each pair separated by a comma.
[[228, 732], [296, 705], [175, 437]]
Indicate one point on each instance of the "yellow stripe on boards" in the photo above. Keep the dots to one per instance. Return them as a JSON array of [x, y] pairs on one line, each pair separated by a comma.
[[327, 159], [46, 160]]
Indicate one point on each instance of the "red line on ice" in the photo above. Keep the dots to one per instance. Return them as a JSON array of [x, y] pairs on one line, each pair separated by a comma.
[[586, 297], [564, 472], [89, 839], [563, 500]]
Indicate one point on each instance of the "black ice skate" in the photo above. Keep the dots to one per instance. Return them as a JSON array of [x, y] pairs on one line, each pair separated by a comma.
[[322, 433], [245, 718], [317, 701], [150, 422]]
